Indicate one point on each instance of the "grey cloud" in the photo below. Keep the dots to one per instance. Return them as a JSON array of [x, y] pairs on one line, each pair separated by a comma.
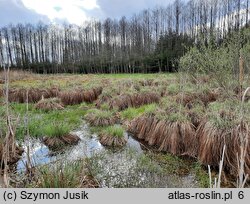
[[13, 11]]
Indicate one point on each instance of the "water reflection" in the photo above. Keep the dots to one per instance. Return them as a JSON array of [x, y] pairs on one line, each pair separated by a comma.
[[126, 167]]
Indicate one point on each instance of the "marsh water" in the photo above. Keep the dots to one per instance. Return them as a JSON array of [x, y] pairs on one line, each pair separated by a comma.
[[126, 167]]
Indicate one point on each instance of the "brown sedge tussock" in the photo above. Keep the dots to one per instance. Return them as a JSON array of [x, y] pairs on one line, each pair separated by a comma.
[[31, 95], [55, 143], [112, 136], [79, 96], [195, 118], [205, 98], [91, 95], [211, 140], [107, 96], [174, 137], [71, 97], [111, 141], [95, 119], [124, 101], [49, 104]]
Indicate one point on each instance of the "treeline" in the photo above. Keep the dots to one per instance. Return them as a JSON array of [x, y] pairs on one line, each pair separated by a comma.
[[150, 41]]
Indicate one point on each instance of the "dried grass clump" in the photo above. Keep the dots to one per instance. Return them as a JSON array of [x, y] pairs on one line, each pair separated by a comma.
[[211, 141], [72, 97], [147, 82], [124, 101], [101, 117], [126, 83], [205, 97], [113, 136], [32, 95], [58, 135], [52, 92], [91, 95], [162, 90], [196, 113], [174, 133], [222, 126], [78, 96], [49, 104], [20, 95], [55, 143], [107, 95]]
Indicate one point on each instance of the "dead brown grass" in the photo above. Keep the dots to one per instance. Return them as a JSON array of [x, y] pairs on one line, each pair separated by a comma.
[[71, 97], [97, 121], [211, 141], [31, 95], [55, 143], [124, 101], [79, 96], [111, 141], [91, 95], [49, 104], [174, 137], [204, 97]]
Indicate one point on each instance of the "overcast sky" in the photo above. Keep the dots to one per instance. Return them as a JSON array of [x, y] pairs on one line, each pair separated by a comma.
[[72, 11]]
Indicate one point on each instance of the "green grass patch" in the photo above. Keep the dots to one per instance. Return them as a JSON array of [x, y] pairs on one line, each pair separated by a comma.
[[56, 130], [114, 131], [37, 122], [201, 175], [60, 175], [131, 113], [105, 106], [102, 114], [224, 114]]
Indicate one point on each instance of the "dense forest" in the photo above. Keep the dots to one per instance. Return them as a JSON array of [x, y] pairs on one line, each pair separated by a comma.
[[150, 41]]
